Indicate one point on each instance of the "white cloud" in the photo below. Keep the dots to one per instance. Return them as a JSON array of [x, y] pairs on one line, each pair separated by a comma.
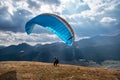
[[70, 7], [85, 17], [9, 38], [81, 38], [9, 5], [108, 20], [98, 8], [86, 9]]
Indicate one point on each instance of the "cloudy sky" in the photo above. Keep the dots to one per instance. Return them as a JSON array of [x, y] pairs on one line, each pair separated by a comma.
[[87, 18]]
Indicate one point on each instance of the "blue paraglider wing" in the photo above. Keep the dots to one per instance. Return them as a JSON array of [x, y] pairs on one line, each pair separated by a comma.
[[54, 23]]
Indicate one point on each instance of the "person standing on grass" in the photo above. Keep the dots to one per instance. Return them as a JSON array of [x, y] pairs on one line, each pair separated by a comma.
[[56, 61]]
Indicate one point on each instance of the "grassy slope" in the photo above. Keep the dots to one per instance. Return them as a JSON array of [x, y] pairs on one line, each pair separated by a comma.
[[46, 71]]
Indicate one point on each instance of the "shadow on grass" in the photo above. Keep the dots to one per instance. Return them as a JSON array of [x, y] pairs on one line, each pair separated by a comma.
[[11, 75]]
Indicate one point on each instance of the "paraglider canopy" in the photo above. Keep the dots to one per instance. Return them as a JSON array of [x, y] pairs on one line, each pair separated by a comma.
[[55, 24]]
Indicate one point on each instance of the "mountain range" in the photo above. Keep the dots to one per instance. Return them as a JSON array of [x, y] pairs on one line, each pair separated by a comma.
[[96, 49]]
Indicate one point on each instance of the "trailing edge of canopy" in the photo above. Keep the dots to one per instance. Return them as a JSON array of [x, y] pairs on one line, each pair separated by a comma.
[[63, 20]]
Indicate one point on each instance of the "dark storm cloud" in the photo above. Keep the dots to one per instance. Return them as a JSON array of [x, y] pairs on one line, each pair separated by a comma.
[[3, 10], [87, 18], [16, 21], [33, 4], [5, 19], [19, 19], [57, 2], [12, 20], [83, 12]]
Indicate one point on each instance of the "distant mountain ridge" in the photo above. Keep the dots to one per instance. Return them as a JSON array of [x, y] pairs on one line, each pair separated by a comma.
[[99, 41], [98, 49]]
